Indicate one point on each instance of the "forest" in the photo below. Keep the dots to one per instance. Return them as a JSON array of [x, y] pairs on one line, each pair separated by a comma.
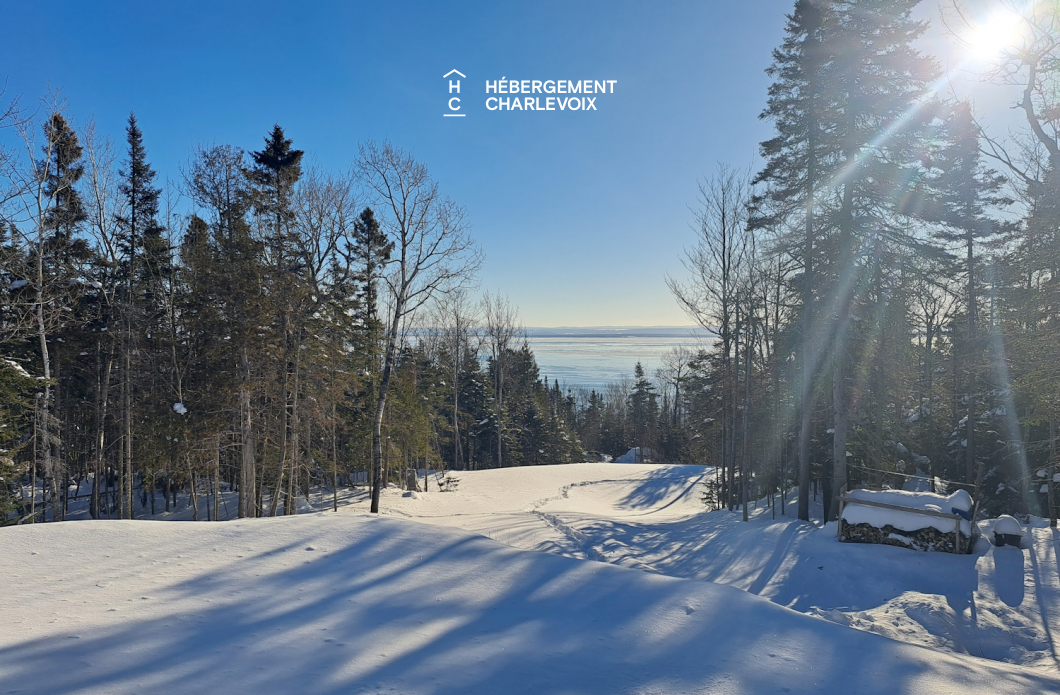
[[883, 287]]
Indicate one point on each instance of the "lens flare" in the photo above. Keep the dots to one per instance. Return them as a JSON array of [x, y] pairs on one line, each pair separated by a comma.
[[990, 39]]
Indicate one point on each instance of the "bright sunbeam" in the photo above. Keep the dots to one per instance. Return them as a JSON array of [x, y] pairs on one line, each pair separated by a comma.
[[988, 40]]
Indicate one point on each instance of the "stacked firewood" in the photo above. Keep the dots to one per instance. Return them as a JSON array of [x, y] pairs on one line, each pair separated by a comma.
[[929, 538]]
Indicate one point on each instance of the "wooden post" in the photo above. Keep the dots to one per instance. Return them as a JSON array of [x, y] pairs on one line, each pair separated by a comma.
[[839, 516]]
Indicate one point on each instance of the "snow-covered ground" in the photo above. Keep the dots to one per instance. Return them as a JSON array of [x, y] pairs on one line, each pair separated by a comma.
[[347, 603], [997, 603]]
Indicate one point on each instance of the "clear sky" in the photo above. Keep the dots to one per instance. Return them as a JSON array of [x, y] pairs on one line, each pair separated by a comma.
[[580, 215]]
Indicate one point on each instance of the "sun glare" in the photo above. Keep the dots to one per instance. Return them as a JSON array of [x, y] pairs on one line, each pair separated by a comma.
[[988, 40]]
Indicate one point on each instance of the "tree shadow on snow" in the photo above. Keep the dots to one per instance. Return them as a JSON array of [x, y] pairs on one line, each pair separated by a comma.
[[416, 609], [659, 485]]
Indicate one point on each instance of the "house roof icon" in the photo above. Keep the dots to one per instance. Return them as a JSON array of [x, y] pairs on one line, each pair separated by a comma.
[[451, 72]]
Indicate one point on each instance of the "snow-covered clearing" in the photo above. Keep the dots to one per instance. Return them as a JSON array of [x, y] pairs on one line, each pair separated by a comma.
[[998, 603], [347, 603]]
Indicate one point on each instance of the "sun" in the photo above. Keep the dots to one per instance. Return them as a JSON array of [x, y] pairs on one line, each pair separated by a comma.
[[988, 40]]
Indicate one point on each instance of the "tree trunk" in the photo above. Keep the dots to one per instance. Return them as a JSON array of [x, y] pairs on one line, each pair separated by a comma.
[[500, 403], [33, 467], [217, 479], [1051, 468], [734, 412], [290, 504], [192, 482], [248, 497], [103, 392], [281, 470], [457, 453], [808, 344], [845, 288], [970, 369], [746, 456], [127, 481], [45, 439], [839, 440], [377, 423], [334, 462]]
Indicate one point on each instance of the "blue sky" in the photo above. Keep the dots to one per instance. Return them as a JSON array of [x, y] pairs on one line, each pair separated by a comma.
[[580, 215]]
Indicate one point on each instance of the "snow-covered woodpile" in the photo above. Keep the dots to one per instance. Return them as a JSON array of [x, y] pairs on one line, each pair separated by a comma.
[[917, 520]]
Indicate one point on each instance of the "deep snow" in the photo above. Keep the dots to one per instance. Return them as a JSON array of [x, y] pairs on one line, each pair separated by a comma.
[[327, 603], [997, 603]]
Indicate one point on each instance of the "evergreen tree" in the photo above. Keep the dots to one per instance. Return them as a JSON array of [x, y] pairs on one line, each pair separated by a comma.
[[16, 413], [51, 269], [644, 412], [965, 190], [64, 173], [881, 86], [139, 231], [371, 253], [225, 273], [801, 160], [276, 171]]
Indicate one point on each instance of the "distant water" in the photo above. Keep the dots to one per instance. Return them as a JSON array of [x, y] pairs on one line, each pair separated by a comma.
[[591, 357]]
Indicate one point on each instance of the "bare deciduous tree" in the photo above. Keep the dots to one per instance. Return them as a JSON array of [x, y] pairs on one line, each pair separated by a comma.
[[502, 331], [433, 253], [456, 319], [716, 264]]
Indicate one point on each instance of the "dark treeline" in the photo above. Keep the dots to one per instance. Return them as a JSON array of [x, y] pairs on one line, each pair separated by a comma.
[[885, 290], [250, 328]]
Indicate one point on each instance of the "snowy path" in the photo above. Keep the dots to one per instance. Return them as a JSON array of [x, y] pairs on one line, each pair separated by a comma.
[[1000, 603]]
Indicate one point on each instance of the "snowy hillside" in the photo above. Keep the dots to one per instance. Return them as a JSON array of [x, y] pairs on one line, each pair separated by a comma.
[[998, 603], [350, 603]]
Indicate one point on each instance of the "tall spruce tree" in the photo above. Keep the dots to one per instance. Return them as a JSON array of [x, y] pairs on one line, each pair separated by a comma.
[[64, 173], [881, 85], [644, 413], [276, 171], [138, 228], [225, 274], [800, 160], [371, 253], [966, 189], [50, 270]]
